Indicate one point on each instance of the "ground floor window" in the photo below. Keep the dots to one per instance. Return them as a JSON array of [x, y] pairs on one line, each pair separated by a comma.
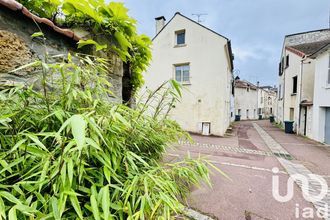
[[182, 73]]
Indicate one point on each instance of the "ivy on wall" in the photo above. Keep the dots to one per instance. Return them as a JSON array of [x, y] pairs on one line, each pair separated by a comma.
[[97, 17]]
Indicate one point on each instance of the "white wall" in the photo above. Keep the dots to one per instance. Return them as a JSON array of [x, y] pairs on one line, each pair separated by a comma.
[[246, 100], [321, 96], [291, 100], [207, 98]]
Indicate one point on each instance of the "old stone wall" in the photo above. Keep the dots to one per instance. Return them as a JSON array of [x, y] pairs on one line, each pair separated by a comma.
[[18, 48], [308, 37]]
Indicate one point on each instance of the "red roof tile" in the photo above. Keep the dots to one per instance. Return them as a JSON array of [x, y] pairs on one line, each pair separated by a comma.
[[15, 6]]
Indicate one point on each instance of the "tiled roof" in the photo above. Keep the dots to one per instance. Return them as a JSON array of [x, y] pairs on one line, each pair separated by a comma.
[[15, 6], [311, 48], [244, 84]]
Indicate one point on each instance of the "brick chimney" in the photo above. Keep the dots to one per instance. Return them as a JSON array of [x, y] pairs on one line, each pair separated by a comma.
[[160, 23]]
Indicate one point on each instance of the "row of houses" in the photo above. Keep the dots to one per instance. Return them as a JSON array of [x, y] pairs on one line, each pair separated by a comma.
[[202, 61], [254, 102], [304, 84]]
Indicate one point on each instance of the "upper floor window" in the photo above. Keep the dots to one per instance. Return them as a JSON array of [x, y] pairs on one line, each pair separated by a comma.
[[182, 73], [294, 84], [180, 37], [287, 61]]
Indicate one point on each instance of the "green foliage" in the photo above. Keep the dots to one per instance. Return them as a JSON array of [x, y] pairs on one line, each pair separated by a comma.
[[68, 153], [110, 19]]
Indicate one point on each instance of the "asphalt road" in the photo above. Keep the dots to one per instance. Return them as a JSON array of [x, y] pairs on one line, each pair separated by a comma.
[[246, 159]]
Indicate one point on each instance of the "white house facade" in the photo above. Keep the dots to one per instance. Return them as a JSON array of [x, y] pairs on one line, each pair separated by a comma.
[[321, 104], [246, 100], [267, 101], [202, 61], [298, 83]]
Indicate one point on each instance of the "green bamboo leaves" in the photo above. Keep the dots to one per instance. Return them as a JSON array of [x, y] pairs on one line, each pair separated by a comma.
[[81, 157], [78, 126]]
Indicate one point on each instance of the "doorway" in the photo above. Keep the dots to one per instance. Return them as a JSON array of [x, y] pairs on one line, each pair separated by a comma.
[[327, 126]]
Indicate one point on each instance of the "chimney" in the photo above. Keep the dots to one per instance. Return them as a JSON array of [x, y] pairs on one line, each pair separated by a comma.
[[160, 23]]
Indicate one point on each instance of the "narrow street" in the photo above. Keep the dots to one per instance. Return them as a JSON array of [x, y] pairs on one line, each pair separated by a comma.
[[247, 156]]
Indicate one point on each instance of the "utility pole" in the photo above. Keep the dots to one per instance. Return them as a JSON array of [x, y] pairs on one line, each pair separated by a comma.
[[199, 17]]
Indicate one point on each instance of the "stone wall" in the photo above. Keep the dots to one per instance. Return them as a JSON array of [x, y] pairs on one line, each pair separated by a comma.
[[308, 37], [17, 48]]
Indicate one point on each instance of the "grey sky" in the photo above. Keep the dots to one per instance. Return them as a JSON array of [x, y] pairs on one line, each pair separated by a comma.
[[255, 27]]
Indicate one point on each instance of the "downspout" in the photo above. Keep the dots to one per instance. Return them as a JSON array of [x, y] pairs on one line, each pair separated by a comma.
[[283, 89], [300, 91]]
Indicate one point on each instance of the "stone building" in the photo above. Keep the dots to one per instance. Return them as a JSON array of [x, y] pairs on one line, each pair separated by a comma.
[[18, 48]]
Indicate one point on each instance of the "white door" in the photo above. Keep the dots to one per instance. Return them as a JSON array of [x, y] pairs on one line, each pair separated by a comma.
[[327, 126], [206, 128]]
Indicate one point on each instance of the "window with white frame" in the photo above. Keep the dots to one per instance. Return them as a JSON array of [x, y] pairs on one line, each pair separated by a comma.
[[182, 73]]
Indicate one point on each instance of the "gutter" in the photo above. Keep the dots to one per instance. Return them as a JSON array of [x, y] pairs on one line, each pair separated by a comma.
[[18, 7]]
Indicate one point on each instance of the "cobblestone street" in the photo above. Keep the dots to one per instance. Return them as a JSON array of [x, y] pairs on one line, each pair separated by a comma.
[[248, 156]]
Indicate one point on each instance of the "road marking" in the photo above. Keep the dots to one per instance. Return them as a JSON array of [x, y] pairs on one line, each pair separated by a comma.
[[227, 148], [247, 167]]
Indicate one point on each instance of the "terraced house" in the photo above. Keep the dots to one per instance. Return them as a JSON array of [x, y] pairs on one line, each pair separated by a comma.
[[202, 61], [304, 84]]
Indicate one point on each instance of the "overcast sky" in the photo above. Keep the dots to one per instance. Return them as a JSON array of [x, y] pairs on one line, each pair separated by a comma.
[[255, 27]]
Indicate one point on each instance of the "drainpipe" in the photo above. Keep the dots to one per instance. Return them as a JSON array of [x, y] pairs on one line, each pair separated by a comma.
[[300, 91], [258, 83]]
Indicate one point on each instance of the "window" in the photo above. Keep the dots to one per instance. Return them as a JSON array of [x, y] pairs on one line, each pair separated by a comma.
[[248, 88], [180, 37], [261, 100], [259, 111], [279, 91], [294, 84], [182, 73], [280, 69], [247, 113], [239, 112], [287, 61]]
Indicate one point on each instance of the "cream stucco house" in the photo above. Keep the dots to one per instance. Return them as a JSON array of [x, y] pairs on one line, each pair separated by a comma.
[[299, 84], [321, 102], [246, 99], [202, 61], [267, 100]]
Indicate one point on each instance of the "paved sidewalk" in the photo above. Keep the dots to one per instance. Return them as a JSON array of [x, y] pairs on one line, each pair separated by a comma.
[[312, 187], [248, 161], [313, 155]]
